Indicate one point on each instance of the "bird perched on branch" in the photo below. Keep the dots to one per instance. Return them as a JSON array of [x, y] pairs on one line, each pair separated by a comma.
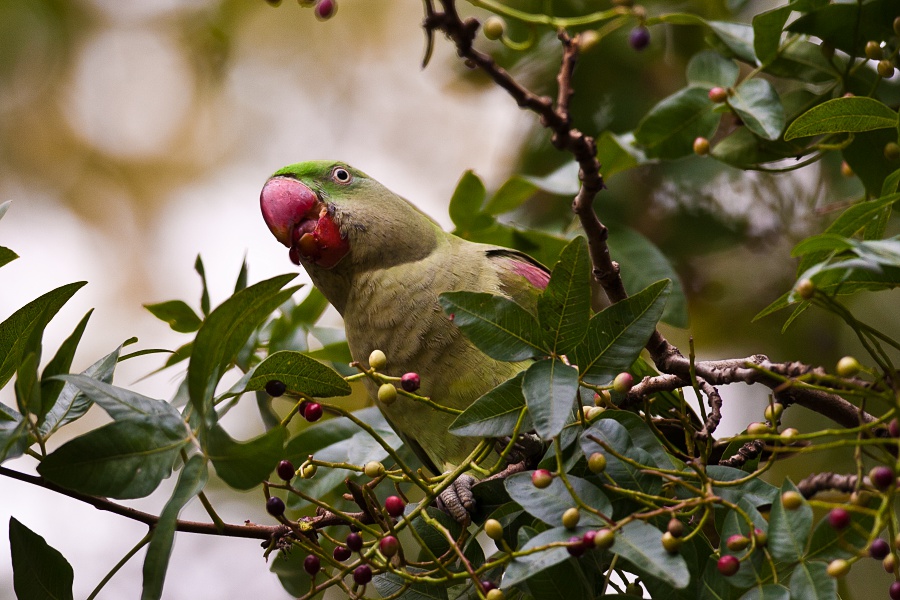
[[382, 263]]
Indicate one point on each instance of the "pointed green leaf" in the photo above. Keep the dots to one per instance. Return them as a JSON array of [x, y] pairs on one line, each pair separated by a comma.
[[7, 255], [40, 571], [496, 413], [310, 308], [389, 585], [226, 330], [757, 103], [617, 153], [191, 482], [771, 592], [467, 199], [122, 404], [496, 325], [124, 459], [241, 281], [565, 306], [177, 314], [204, 295], [550, 387], [767, 28], [4, 206], [842, 115], [16, 331], [789, 529], [756, 567], [847, 26], [561, 182], [638, 543], [754, 491], [244, 465], [524, 567], [710, 69], [299, 372], [737, 37], [549, 504], [616, 335], [810, 581], [616, 436], [670, 128], [28, 392], [510, 196], [13, 436], [827, 544], [59, 364]]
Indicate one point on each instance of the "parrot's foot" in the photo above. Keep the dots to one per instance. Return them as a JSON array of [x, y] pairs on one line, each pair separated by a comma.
[[458, 500], [527, 446]]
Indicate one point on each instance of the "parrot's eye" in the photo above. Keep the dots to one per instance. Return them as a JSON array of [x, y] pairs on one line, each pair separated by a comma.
[[341, 175]]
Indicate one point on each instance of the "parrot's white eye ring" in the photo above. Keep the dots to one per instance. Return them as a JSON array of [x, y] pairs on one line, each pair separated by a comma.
[[341, 175]]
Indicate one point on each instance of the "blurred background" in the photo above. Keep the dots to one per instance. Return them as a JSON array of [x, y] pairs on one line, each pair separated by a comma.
[[136, 135]]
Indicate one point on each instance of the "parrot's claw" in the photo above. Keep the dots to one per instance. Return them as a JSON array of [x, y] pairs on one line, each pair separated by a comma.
[[527, 446], [458, 500]]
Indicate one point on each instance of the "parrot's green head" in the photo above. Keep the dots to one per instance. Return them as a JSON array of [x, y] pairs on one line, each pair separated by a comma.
[[329, 213]]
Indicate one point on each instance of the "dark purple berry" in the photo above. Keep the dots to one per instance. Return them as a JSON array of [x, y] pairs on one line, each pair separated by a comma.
[[355, 542], [410, 382], [894, 591], [312, 412], [639, 38], [341, 553], [894, 428], [311, 564], [589, 537], [576, 546], [275, 388], [362, 574], [275, 506], [839, 518], [879, 549], [325, 9], [394, 505], [488, 586], [881, 477], [286, 470]]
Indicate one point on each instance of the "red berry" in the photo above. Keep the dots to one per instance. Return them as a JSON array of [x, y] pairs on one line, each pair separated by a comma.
[[362, 574], [881, 477], [623, 383], [410, 382], [389, 545], [589, 538], [894, 591], [311, 564], [285, 470], [718, 95], [541, 478], [325, 9], [879, 549], [839, 518], [355, 542], [341, 553], [728, 565], [313, 412], [576, 546], [275, 506], [639, 38], [394, 505], [275, 388]]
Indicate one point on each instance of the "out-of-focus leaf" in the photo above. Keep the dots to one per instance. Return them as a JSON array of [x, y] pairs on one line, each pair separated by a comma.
[[767, 28], [561, 182], [549, 387], [549, 504], [737, 37], [842, 115], [496, 413], [7, 255], [510, 196], [244, 465], [299, 372], [866, 157], [177, 314], [241, 281], [670, 128], [770, 591], [204, 294], [565, 305], [617, 153], [467, 200], [848, 26], [710, 69], [495, 324], [40, 571], [191, 482], [757, 104]]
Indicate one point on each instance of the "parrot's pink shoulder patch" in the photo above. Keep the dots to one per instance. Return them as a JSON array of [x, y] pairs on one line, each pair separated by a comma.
[[535, 275]]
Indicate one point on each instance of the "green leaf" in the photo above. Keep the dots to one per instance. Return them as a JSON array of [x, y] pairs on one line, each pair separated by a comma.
[[842, 115], [617, 153], [756, 492], [510, 196], [827, 545], [865, 156], [28, 392], [670, 128], [496, 413], [810, 581], [204, 295], [191, 482], [177, 314], [40, 572], [755, 568], [618, 438], [789, 529], [737, 37], [524, 567], [561, 182], [122, 404], [549, 504], [311, 308], [59, 364], [638, 543], [757, 103], [124, 459], [767, 28], [466, 202], [643, 264], [432, 537], [299, 372], [565, 305], [709, 69], [617, 334], [7, 255], [241, 281], [496, 325], [550, 387], [17, 330], [389, 585], [771, 592], [13, 437], [224, 333], [244, 465], [847, 26]]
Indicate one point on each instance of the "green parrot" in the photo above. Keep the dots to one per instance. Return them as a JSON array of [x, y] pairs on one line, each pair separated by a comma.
[[382, 263]]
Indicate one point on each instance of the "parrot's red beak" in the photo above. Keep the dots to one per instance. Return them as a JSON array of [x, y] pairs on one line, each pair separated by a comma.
[[300, 221]]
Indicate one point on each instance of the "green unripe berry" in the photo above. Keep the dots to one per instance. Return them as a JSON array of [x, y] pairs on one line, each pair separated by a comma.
[[493, 529], [494, 594], [671, 543], [792, 500], [309, 471], [571, 517], [773, 412], [848, 367], [597, 462], [837, 568], [494, 27], [758, 429], [541, 478], [701, 146], [892, 151], [592, 412], [373, 469], [789, 434], [737, 542], [806, 289], [377, 360], [604, 539], [623, 383], [387, 393], [873, 50], [885, 68]]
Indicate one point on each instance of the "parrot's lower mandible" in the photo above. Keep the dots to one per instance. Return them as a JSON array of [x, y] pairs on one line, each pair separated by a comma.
[[383, 263]]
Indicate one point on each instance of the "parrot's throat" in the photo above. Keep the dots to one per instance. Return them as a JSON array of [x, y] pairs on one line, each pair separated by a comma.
[[317, 238]]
